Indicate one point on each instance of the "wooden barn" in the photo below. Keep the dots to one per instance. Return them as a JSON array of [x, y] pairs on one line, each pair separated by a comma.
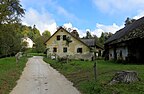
[[127, 43]]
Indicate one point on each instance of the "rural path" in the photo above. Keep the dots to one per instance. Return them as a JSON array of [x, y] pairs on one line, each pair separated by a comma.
[[39, 77]]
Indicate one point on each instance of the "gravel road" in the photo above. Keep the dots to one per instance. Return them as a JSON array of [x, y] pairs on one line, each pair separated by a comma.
[[39, 77]]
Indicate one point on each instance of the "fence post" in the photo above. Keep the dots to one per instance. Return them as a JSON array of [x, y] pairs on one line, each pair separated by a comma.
[[95, 71]]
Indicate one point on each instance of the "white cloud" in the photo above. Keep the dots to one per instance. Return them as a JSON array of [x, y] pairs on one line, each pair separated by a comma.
[[118, 6], [98, 29], [52, 4], [68, 25], [88, 30], [43, 20], [80, 32], [37, 13], [105, 28], [139, 15], [114, 27]]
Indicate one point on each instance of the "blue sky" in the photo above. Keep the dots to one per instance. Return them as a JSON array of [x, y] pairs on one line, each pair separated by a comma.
[[96, 16]]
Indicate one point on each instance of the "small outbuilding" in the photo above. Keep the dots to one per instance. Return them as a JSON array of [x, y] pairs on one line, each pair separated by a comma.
[[29, 42]]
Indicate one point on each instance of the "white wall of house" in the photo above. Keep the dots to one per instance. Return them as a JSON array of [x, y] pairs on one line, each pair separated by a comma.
[[121, 52], [111, 54], [72, 47], [29, 42]]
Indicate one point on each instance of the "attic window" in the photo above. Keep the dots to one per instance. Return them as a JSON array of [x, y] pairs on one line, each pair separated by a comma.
[[79, 50], [58, 37], [64, 37]]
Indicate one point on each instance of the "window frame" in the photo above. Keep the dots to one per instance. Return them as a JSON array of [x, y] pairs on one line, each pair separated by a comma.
[[65, 50], [58, 37], [54, 49], [79, 50], [64, 37]]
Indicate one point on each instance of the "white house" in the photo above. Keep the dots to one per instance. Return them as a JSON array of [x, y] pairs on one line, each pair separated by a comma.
[[30, 43]]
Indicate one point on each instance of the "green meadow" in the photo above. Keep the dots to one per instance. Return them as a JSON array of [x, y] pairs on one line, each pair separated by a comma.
[[81, 73]]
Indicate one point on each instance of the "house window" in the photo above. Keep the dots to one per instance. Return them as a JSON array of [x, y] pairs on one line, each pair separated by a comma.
[[64, 49], [54, 49], [58, 37], [79, 50], [64, 37]]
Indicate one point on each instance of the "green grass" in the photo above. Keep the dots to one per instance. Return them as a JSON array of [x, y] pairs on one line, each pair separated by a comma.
[[82, 75], [30, 52], [10, 72], [35, 54]]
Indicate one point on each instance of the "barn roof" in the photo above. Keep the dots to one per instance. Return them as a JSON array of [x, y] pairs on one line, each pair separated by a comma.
[[127, 32], [91, 43]]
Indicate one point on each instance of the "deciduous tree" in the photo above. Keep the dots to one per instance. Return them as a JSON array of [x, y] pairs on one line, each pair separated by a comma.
[[10, 11], [46, 35]]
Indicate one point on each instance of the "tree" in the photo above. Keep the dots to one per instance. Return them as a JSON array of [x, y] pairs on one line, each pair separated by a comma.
[[46, 35], [32, 33], [10, 11], [35, 33], [10, 37], [10, 40], [102, 38], [88, 35], [39, 45], [129, 21]]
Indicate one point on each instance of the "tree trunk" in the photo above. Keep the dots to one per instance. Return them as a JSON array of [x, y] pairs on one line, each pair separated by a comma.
[[124, 77]]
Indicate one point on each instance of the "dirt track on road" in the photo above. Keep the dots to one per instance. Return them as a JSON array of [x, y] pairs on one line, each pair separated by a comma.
[[39, 77]]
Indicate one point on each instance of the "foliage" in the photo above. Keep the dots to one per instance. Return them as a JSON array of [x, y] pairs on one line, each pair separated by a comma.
[[46, 35], [10, 72], [88, 35], [10, 39], [10, 11], [39, 45], [129, 21], [35, 33], [26, 31], [81, 74], [31, 32], [104, 36], [68, 40], [11, 35], [35, 54]]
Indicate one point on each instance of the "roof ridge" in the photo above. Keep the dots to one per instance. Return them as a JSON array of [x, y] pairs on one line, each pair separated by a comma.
[[125, 30]]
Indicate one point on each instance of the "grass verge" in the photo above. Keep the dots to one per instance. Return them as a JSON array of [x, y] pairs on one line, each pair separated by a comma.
[[10, 72], [82, 75]]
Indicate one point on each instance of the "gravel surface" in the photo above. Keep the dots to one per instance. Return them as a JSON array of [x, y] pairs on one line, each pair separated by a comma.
[[39, 77]]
